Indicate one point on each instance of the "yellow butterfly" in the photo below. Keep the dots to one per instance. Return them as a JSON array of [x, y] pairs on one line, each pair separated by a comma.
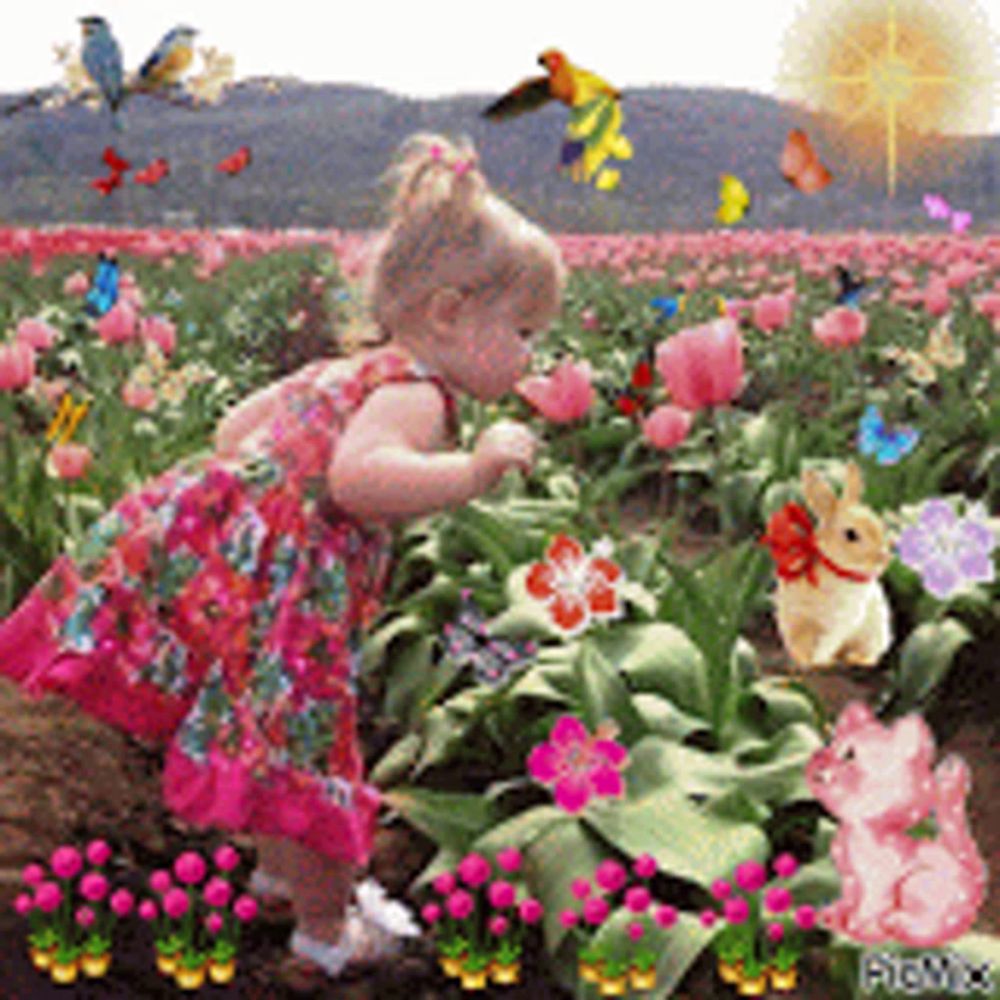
[[734, 200], [66, 420], [940, 351]]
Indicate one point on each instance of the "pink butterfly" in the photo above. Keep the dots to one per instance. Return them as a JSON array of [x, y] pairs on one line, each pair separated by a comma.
[[960, 221], [937, 208]]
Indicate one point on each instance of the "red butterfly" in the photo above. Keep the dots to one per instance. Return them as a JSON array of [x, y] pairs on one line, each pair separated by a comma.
[[633, 401], [114, 161], [232, 165], [153, 173], [105, 185]]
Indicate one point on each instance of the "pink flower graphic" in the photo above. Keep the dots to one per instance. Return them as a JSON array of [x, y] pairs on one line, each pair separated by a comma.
[[578, 766]]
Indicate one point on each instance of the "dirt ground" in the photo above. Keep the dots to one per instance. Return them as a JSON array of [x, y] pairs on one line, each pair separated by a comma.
[[66, 778]]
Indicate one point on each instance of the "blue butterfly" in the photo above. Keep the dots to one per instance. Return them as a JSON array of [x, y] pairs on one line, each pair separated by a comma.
[[888, 446], [103, 292], [852, 290], [668, 308]]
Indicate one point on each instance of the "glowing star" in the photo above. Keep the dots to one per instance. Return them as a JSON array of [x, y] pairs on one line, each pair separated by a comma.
[[894, 75], [877, 781]]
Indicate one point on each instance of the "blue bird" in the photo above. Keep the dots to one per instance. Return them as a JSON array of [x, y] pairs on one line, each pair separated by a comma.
[[102, 59], [888, 446], [170, 59]]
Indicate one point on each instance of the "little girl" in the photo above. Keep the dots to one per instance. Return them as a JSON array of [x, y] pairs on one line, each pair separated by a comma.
[[219, 609]]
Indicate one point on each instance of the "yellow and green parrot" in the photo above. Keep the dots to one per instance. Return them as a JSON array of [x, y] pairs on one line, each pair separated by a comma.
[[593, 132]]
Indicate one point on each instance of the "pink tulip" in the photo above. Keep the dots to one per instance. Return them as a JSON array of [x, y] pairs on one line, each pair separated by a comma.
[[473, 870], [610, 876], [775, 932], [226, 858], [589, 319], [444, 884], [751, 876], [214, 923], [17, 365], [595, 910], [98, 852], [175, 903], [667, 426], [94, 886], [138, 396], [703, 365], [431, 913], [118, 325], [501, 894], [24, 904], [459, 904], [159, 881], [36, 333], [190, 868], [772, 312], [637, 899], [645, 866], [217, 891], [66, 862], [498, 925], [121, 902], [71, 461], [77, 284], [563, 396], [840, 327], [785, 865], [937, 300], [32, 874], [84, 916], [569, 918], [665, 916], [530, 910], [148, 910], [161, 332], [636, 931], [245, 908], [736, 910], [48, 896]]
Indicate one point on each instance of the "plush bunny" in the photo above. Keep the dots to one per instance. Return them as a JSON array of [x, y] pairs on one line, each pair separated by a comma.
[[830, 605], [878, 782]]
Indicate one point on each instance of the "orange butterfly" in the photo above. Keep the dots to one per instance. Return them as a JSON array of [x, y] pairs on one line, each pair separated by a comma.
[[800, 165], [232, 165]]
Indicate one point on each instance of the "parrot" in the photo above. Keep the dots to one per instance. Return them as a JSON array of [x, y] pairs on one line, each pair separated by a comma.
[[102, 59], [593, 132], [170, 59]]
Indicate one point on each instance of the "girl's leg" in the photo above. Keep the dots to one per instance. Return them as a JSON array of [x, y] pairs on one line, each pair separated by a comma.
[[321, 891]]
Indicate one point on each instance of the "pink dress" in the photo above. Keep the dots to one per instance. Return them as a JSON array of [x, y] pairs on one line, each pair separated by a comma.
[[219, 610]]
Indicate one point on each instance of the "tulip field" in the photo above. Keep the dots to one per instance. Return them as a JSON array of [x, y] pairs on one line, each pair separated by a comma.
[[591, 739]]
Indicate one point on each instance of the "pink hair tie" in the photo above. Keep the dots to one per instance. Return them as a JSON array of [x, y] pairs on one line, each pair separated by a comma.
[[463, 166], [436, 152]]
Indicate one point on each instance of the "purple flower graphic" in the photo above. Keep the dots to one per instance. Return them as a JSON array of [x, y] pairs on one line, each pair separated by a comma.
[[947, 551]]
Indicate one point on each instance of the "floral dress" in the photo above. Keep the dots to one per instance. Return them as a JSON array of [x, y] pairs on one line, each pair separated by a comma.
[[219, 610]]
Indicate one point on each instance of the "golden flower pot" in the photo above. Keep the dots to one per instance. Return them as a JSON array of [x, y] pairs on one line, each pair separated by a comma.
[[190, 979], [753, 986], [166, 963], [474, 979], [451, 965], [615, 986], [221, 972], [95, 966], [590, 972], [730, 972], [784, 981], [505, 975], [64, 973], [41, 958], [642, 979]]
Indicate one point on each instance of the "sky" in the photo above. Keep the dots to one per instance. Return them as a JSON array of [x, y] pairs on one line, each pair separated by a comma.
[[430, 48]]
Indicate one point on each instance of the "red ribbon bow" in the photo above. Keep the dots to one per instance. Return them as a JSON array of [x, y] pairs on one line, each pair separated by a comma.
[[792, 540]]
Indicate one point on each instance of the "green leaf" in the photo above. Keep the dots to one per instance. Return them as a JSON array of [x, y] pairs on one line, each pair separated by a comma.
[[665, 719], [686, 841], [411, 670], [396, 761], [450, 819], [604, 696], [521, 830], [925, 660]]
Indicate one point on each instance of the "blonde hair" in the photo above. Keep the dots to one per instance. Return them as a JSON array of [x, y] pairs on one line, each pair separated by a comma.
[[446, 228]]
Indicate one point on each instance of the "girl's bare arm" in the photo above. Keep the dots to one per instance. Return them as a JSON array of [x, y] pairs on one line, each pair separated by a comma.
[[385, 468]]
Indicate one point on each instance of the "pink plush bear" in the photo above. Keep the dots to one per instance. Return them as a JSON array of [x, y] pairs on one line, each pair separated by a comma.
[[877, 781]]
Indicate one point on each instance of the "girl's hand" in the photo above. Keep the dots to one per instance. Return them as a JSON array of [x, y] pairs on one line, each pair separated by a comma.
[[503, 445]]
